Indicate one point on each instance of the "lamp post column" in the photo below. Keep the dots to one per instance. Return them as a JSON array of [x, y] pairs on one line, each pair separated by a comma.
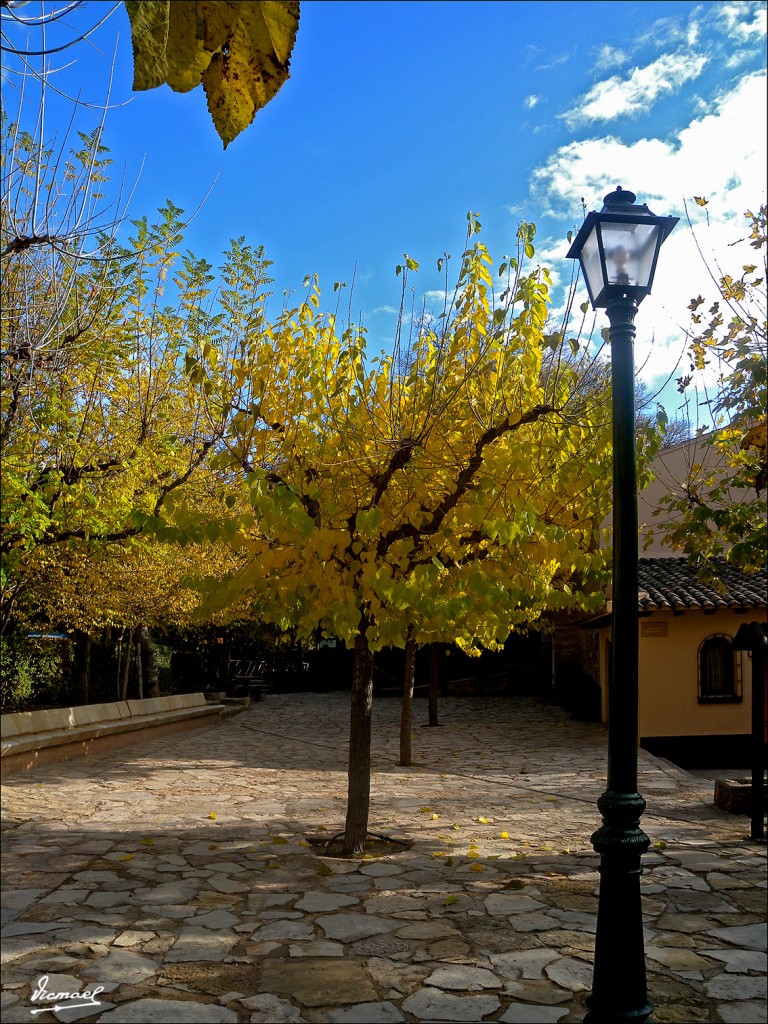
[[619, 990]]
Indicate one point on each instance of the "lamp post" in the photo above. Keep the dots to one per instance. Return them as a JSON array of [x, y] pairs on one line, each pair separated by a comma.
[[618, 249]]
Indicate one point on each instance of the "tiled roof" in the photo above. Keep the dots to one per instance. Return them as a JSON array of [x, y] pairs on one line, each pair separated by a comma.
[[670, 584]]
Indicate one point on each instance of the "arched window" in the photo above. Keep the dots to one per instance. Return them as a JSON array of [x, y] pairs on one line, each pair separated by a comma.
[[719, 670]]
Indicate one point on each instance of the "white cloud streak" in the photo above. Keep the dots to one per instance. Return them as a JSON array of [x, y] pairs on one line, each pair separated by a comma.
[[625, 97]]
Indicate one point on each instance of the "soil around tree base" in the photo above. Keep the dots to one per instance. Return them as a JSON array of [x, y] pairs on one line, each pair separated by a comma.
[[376, 845]]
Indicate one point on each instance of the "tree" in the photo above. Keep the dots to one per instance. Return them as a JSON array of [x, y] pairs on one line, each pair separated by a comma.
[[239, 51], [99, 421], [446, 492], [720, 508]]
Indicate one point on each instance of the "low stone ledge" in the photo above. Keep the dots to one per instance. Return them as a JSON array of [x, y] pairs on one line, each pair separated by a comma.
[[735, 796]]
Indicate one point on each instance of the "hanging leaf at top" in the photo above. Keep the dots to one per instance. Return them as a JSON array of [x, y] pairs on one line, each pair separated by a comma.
[[239, 51]]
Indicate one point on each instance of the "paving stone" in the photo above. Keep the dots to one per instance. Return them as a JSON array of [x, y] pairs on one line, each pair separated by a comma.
[[751, 936], [570, 973], [502, 904], [225, 884], [530, 1013], [463, 979], [381, 869], [314, 982], [30, 928], [282, 931], [351, 927], [427, 930], [133, 938], [121, 966], [730, 987], [738, 961], [536, 992], [525, 963], [432, 1004], [168, 1011], [317, 947], [366, 1013], [270, 1009], [214, 920], [78, 1012], [676, 958], [200, 944], [169, 892], [322, 902], [742, 1012]]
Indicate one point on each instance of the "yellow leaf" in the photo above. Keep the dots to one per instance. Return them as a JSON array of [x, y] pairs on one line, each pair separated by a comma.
[[127, 856], [212, 815], [472, 853], [476, 867], [434, 817], [239, 51], [147, 842], [700, 201], [484, 821], [450, 900], [503, 835], [455, 827], [424, 810]]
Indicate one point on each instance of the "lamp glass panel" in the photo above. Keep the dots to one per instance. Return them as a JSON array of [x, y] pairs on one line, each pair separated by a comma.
[[629, 253], [591, 264]]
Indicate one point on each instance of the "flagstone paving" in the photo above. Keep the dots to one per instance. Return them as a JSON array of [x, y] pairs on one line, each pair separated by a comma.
[[175, 876]]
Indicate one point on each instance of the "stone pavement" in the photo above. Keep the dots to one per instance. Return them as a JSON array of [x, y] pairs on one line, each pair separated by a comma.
[[175, 883]]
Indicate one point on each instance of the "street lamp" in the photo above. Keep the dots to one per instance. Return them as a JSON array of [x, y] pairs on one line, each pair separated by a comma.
[[618, 249]]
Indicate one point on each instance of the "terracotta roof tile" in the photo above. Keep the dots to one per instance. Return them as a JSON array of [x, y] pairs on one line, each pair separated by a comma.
[[671, 583]]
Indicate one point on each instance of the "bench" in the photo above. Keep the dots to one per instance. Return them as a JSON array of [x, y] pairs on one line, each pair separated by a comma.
[[31, 738], [245, 681]]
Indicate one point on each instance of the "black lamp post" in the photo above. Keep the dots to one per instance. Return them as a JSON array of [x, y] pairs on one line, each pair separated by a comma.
[[618, 249]]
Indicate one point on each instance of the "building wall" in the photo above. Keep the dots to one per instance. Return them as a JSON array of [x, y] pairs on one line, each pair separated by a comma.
[[668, 676]]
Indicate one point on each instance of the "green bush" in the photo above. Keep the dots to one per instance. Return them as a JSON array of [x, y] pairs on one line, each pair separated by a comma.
[[32, 672]]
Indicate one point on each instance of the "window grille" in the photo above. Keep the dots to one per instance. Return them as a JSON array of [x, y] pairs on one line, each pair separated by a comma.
[[719, 671]]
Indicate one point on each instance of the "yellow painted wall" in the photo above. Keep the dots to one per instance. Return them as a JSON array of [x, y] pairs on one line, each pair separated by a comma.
[[668, 677]]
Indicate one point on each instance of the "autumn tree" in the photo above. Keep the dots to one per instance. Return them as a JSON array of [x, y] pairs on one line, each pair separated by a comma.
[[444, 492], [719, 510]]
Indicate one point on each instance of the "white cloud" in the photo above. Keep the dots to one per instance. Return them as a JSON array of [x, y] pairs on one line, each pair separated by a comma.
[[720, 156], [745, 22], [621, 97], [531, 101], [609, 57]]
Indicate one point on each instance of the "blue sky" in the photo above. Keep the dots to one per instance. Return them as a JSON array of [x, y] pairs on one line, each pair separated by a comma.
[[400, 117]]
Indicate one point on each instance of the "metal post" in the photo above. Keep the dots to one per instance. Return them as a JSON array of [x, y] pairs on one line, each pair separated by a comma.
[[619, 982], [757, 830]]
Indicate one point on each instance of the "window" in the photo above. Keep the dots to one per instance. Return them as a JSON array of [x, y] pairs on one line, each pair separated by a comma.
[[719, 671]]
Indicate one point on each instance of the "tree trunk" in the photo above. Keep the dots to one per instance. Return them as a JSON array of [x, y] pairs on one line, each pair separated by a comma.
[[434, 666], [123, 691], [149, 666], [407, 704], [359, 774], [139, 666], [82, 666]]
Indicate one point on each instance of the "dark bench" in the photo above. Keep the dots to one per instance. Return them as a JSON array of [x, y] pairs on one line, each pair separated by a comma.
[[245, 680]]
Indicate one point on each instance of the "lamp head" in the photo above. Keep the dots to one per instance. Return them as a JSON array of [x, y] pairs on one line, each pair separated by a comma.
[[618, 248]]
